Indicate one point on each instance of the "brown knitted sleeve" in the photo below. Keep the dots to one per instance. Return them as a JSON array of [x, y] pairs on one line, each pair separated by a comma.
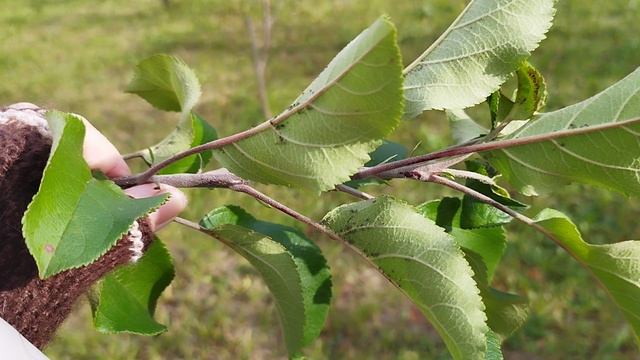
[[35, 307]]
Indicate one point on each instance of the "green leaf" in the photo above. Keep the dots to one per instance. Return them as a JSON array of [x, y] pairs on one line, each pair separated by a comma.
[[292, 266], [127, 297], [64, 232], [532, 93], [616, 266], [167, 83], [388, 151], [327, 133], [424, 262], [483, 46], [190, 132], [531, 97], [499, 107], [601, 145], [475, 213], [483, 250], [506, 312]]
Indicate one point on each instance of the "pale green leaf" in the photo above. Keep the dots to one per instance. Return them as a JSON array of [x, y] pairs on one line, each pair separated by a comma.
[[326, 135], [127, 297], [483, 46], [292, 266], [74, 229], [167, 83], [424, 262], [616, 266], [190, 132], [604, 151], [463, 127]]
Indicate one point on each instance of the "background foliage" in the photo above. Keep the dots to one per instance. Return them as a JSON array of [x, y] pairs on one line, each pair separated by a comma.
[[78, 56]]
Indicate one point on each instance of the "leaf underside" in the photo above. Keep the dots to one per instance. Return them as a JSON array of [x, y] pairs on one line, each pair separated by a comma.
[[476, 54], [291, 265], [607, 157], [341, 117], [424, 262], [71, 221]]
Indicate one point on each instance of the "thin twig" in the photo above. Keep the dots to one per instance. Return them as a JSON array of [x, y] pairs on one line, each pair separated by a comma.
[[216, 144], [133, 155], [464, 174], [354, 192], [260, 54], [514, 214], [478, 195], [188, 223], [220, 178], [245, 188]]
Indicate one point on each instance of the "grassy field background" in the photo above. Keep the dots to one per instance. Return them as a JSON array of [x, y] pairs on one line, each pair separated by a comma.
[[78, 55]]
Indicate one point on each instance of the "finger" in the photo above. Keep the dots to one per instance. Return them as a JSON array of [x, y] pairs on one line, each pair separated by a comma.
[[167, 212], [100, 153]]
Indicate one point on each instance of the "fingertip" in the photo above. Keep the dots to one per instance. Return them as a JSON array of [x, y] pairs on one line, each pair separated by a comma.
[[168, 211], [100, 154]]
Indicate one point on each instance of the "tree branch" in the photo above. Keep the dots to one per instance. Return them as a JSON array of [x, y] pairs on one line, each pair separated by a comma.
[[354, 192], [260, 54], [487, 146], [487, 200], [245, 188]]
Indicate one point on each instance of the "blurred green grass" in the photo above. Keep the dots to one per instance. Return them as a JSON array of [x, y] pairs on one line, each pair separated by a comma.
[[78, 55]]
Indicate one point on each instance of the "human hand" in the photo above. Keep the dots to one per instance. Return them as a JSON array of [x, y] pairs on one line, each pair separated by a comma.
[[35, 307]]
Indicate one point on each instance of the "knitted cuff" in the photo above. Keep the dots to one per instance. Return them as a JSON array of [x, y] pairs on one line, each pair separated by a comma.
[[36, 307]]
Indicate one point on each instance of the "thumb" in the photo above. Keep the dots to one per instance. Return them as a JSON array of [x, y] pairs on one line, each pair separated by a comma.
[[167, 212]]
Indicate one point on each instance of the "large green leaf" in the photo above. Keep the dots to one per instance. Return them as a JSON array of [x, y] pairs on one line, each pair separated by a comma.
[[483, 46], [607, 156], [329, 130], [167, 83], [190, 132], [616, 266], [483, 250], [75, 218], [127, 297], [292, 266], [424, 262]]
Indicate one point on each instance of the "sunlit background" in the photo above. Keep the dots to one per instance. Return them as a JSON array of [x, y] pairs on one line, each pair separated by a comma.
[[78, 56]]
